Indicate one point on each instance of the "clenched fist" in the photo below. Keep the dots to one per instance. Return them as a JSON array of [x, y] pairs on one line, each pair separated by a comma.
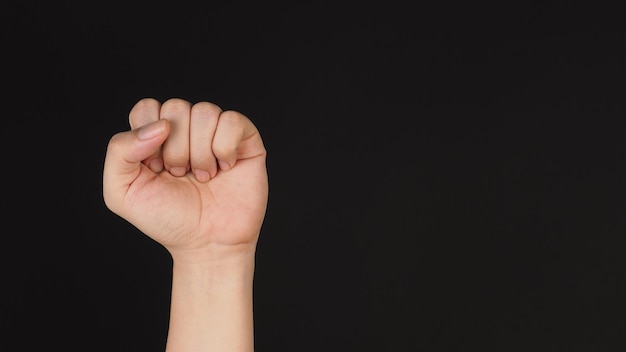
[[190, 176]]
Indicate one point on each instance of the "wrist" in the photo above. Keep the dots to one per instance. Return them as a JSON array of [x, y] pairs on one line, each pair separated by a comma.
[[216, 265]]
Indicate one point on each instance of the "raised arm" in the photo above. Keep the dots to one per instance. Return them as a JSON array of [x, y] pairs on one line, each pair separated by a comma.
[[194, 179]]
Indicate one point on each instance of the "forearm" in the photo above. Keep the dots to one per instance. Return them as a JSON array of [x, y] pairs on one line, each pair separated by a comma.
[[211, 304]]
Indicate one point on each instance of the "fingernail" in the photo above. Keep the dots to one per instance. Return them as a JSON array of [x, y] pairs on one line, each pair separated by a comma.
[[178, 171], [224, 165], [213, 171], [156, 165], [150, 131], [202, 175]]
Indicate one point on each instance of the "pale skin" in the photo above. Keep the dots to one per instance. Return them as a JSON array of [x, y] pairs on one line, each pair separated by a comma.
[[193, 178]]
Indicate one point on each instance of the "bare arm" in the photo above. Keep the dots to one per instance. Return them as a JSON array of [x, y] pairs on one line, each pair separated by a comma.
[[193, 178], [212, 304]]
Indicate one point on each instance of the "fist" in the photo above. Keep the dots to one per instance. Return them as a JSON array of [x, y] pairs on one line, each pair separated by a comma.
[[190, 176]]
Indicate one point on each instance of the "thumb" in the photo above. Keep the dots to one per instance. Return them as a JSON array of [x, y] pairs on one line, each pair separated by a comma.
[[125, 152]]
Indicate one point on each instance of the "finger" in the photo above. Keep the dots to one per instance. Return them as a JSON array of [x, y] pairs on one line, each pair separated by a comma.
[[125, 152], [203, 122], [146, 111], [176, 147], [236, 138]]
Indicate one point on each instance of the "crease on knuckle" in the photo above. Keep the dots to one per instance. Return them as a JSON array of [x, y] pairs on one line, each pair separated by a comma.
[[206, 110], [174, 106], [231, 116]]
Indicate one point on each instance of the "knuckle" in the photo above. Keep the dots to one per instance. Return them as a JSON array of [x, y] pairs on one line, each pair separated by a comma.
[[176, 155], [202, 162], [205, 110], [147, 103], [232, 116], [175, 105], [115, 142], [142, 110], [222, 149]]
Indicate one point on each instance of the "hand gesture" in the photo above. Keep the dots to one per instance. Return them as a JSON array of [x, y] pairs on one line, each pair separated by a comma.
[[190, 176]]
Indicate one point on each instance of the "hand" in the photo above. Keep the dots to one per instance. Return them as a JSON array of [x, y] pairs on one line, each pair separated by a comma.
[[191, 177]]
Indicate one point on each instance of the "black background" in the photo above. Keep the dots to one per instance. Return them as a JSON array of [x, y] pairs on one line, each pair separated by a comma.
[[443, 176]]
